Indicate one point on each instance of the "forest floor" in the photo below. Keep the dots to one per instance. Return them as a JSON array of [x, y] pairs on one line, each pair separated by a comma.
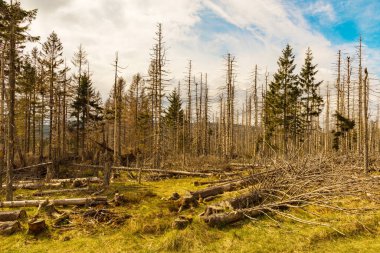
[[149, 229]]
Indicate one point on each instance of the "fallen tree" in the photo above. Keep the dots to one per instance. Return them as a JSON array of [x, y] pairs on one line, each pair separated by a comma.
[[54, 183], [101, 200], [13, 215], [49, 192], [9, 227], [171, 172], [298, 185]]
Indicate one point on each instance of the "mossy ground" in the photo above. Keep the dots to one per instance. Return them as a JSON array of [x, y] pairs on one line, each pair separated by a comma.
[[149, 229]]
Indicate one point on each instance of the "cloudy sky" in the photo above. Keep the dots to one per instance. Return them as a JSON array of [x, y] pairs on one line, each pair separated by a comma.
[[255, 31]]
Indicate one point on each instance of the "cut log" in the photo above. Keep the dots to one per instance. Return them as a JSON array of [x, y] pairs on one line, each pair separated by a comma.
[[172, 172], [232, 186], [13, 215], [35, 166], [222, 219], [43, 193], [35, 186], [9, 227], [58, 202], [36, 227], [246, 200], [57, 180]]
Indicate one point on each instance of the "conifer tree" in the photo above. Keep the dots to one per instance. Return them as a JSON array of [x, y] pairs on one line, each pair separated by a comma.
[[87, 107], [52, 59], [282, 97], [14, 24], [311, 100], [174, 116]]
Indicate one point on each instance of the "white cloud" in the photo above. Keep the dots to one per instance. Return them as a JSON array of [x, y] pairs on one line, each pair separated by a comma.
[[263, 28], [322, 9]]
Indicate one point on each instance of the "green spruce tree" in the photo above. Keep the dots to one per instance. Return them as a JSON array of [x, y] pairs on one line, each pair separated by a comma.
[[281, 101], [174, 119], [311, 101]]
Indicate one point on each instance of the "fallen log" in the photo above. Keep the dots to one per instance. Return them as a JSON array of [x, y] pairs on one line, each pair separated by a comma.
[[9, 227], [34, 166], [43, 193], [172, 172], [246, 200], [13, 215], [222, 219], [34, 186], [61, 180], [58, 202], [231, 186], [54, 183]]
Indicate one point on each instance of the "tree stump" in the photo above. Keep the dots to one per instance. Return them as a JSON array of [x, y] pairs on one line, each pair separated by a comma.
[[9, 227], [36, 227], [119, 199], [182, 222], [175, 196], [107, 175]]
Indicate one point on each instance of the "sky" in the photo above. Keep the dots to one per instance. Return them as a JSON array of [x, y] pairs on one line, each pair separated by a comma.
[[204, 31]]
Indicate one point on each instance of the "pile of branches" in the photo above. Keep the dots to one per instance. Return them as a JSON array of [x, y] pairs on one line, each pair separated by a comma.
[[319, 182]]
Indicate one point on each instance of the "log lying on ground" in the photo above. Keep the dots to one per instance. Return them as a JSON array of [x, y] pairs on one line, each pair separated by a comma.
[[61, 180], [58, 202], [198, 183], [35, 186], [34, 166], [43, 193], [54, 183], [172, 172], [9, 227], [245, 200], [222, 219], [231, 186], [13, 215]]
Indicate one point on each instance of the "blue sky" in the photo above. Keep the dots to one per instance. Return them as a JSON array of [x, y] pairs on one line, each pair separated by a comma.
[[346, 20]]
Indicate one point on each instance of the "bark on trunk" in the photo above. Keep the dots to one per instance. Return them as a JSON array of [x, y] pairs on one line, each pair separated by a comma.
[[57, 202], [12, 215], [9, 227]]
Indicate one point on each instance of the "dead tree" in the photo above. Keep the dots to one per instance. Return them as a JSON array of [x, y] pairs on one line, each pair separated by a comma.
[[230, 87], [360, 101], [206, 144], [365, 123], [158, 74], [11, 106]]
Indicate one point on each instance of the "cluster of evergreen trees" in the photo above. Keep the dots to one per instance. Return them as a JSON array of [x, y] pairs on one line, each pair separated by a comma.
[[293, 102]]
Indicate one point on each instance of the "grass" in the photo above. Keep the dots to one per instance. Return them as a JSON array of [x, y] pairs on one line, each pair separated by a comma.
[[150, 230]]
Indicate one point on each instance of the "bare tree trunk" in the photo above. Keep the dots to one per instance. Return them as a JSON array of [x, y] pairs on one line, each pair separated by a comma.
[[2, 116], [327, 122], [115, 122], [365, 98], [206, 135], [11, 109], [360, 99], [189, 112]]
